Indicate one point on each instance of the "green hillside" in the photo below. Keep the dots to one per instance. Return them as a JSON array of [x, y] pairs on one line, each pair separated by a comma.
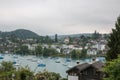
[[20, 33]]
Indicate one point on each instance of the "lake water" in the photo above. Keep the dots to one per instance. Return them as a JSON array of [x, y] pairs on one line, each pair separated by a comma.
[[51, 65]]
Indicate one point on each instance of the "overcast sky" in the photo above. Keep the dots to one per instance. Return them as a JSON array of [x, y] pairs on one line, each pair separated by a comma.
[[48, 17]]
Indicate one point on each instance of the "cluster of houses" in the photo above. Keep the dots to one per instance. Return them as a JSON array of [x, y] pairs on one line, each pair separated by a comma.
[[7, 46], [92, 47], [97, 47]]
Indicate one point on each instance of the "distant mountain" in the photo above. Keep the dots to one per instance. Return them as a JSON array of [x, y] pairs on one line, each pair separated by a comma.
[[77, 35], [20, 33], [72, 35]]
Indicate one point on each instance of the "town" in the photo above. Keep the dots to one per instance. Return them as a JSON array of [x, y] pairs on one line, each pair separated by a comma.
[[92, 45], [59, 40]]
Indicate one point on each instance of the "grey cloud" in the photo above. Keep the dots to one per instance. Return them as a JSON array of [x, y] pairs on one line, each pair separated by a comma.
[[59, 16]]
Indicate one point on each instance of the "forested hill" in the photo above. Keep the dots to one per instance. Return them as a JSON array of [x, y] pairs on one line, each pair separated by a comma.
[[20, 33]]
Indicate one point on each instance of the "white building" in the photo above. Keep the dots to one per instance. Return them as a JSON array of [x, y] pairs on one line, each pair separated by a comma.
[[58, 50], [92, 51], [45, 46], [66, 40], [31, 47], [99, 46]]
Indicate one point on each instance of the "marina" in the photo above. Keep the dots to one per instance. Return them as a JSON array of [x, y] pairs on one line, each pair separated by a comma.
[[38, 64]]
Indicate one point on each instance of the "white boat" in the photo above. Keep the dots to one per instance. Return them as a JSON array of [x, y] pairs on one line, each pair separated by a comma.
[[15, 56], [69, 66], [39, 61], [68, 60], [17, 64], [65, 64], [29, 59], [58, 61], [34, 60]]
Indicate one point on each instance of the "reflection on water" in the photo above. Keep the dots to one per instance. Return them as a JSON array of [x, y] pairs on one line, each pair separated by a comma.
[[51, 64]]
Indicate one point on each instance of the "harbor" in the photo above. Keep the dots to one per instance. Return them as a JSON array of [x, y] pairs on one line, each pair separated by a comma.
[[40, 64]]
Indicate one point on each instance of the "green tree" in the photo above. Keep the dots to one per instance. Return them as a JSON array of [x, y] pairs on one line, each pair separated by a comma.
[[47, 39], [23, 50], [13, 38], [83, 53], [47, 76], [6, 66], [61, 50], [49, 52], [56, 38], [75, 54], [114, 42], [6, 70], [24, 74], [112, 69], [39, 50]]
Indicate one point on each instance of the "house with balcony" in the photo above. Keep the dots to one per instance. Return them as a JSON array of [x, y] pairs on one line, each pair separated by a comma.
[[86, 71]]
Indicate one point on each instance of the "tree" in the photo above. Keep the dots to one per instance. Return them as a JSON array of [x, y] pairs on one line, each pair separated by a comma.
[[13, 38], [6, 70], [70, 40], [38, 50], [75, 54], [114, 42], [49, 52], [23, 50], [47, 39], [61, 50], [83, 53], [56, 38], [25, 74], [112, 69], [6, 66], [47, 76]]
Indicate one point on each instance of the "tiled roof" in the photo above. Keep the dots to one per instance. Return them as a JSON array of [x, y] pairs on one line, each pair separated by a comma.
[[98, 65]]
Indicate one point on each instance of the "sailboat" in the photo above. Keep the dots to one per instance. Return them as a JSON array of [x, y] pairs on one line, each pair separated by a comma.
[[1, 57], [58, 60], [68, 59], [17, 63], [41, 64], [15, 56], [65, 64], [69, 66], [14, 61]]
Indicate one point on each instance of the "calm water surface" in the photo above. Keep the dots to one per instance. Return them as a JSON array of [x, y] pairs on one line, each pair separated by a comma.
[[51, 65]]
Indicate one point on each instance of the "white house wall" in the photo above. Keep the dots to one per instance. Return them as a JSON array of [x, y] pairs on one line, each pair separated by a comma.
[[72, 77]]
